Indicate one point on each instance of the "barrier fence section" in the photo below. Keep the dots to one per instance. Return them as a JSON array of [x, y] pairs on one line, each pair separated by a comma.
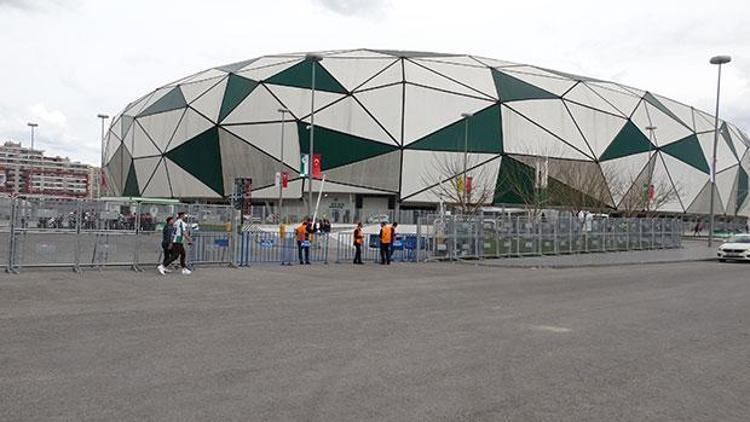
[[403, 249], [81, 233], [257, 247], [457, 237]]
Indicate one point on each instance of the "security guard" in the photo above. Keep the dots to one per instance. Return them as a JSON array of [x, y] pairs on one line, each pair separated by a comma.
[[302, 234], [359, 239], [386, 237]]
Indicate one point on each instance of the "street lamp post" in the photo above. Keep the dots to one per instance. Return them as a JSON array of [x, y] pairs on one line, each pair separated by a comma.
[[102, 158], [314, 59], [717, 60], [465, 192], [651, 139], [33, 126], [283, 112]]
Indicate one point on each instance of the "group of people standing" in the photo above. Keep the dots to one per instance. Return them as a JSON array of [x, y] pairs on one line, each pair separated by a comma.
[[174, 236], [386, 235]]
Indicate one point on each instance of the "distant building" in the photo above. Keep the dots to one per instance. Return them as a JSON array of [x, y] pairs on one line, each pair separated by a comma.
[[27, 171]]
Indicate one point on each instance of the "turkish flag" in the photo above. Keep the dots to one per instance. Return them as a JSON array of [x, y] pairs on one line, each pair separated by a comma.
[[284, 179], [316, 165]]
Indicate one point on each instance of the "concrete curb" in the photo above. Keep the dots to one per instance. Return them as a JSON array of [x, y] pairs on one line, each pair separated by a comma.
[[573, 266]]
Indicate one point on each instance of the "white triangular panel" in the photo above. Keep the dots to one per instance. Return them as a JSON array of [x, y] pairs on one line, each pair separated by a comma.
[[683, 112], [341, 188], [266, 67], [421, 169], [349, 117], [724, 156], [158, 186], [664, 189], [548, 82], [191, 125], [360, 54], [259, 106], [622, 100], [599, 129], [144, 168], [267, 137], [667, 130], [428, 110], [736, 140], [113, 142], [455, 60], [494, 62], [135, 107], [352, 73], [584, 95], [725, 182], [196, 89], [209, 103], [297, 100], [687, 180], [702, 121], [553, 116], [160, 127], [420, 75], [385, 105], [476, 77], [701, 204], [392, 75], [621, 173], [185, 185], [369, 172], [142, 145], [207, 74], [521, 136]]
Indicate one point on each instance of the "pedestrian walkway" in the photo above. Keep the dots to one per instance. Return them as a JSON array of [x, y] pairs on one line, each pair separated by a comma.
[[691, 251]]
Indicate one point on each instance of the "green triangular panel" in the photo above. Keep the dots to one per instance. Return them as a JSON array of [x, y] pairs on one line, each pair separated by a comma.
[[515, 182], [238, 88], [689, 151], [338, 148], [171, 101], [658, 104], [300, 76], [201, 157], [131, 183], [127, 122], [485, 134], [724, 130], [629, 141], [514, 89], [742, 182]]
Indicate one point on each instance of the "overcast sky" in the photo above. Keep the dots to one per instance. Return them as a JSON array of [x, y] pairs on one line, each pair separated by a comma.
[[64, 61]]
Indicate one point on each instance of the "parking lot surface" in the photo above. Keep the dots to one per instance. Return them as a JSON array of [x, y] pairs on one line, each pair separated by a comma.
[[405, 342]]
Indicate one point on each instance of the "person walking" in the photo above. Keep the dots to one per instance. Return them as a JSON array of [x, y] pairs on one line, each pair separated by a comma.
[[386, 236], [166, 246], [302, 234], [359, 239], [179, 236]]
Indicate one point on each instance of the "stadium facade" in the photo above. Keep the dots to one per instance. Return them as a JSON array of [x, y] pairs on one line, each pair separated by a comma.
[[386, 122]]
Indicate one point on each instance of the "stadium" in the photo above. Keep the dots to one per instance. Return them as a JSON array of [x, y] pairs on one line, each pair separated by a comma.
[[394, 128]]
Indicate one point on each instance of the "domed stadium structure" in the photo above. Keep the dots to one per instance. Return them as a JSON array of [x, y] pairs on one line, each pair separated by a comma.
[[387, 122]]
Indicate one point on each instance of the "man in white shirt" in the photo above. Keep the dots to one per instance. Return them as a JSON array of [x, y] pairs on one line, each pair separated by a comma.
[[179, 237]]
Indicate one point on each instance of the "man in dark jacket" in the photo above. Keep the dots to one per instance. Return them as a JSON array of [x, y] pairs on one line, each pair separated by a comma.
[[166, 246]]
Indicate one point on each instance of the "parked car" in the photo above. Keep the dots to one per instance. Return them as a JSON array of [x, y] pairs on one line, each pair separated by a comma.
[[736, 249]]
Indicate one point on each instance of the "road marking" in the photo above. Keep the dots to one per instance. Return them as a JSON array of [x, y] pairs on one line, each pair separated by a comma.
[[551, 328]]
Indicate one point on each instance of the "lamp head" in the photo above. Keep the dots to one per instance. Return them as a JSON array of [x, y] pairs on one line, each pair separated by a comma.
[[720, 59]]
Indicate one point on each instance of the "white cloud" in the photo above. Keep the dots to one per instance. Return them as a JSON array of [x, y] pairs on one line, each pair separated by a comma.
[[367, 8]]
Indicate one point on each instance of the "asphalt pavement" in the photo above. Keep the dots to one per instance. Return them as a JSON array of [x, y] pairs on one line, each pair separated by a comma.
[[433, 342]]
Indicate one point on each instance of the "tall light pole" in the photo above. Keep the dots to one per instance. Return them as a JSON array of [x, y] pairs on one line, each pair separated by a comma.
[[33, 126], [651, 138], [103, 118], [465, 192], [314, 59], [283, 112], [717, 60]]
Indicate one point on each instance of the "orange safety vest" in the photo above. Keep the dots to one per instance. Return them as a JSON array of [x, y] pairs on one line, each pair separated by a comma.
[[385, 234], [359, 238], [301, 232]]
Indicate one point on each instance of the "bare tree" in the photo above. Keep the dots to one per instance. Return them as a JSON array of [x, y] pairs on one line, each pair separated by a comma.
[[446, 174], [640, 193]]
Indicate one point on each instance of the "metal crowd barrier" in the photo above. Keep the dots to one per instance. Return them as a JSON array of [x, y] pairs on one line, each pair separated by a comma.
[[257, 247]]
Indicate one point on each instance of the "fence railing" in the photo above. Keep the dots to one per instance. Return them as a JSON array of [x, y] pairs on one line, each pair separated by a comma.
[[457, 237], [80, 233]]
